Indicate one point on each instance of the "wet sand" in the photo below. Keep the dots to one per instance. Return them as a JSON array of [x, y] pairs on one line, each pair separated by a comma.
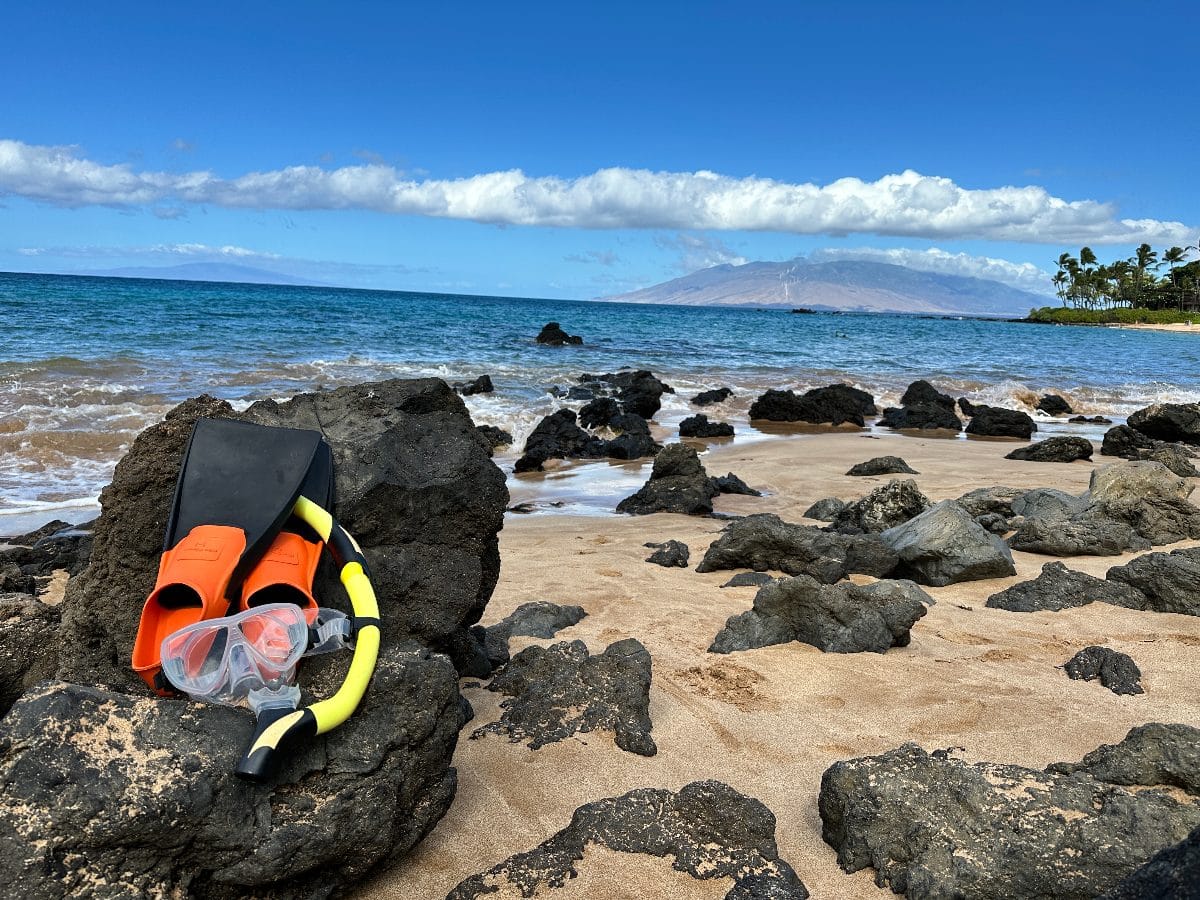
[[770, 721]]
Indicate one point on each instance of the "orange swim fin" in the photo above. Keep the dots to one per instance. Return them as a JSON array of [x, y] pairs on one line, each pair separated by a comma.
[[284, 574]]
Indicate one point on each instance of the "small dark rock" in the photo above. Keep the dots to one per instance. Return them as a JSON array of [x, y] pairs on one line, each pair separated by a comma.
[[1123, 441], [561, 690], [699, 426], [54, 526], [883, 465], [748, 579], [599, 413], [553, 334], [994, 523], [731, 484], [538, 618], [1167, 581], [709, 829], [707, 398], [1116, 671], [1054, 405], [481, 385], [1089, 420], [997, 500], [1054, 449], [633, 440], [495, 437], [826, 510], [1148, 756], [1058, 587], [921, 416], [837, 618], [672, 554]]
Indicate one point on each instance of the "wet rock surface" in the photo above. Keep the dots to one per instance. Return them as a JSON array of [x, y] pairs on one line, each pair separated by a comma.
[[709, 829], [558, 436], [638, 391], [885, 507], [677, 483], [832, 405], [933, 827], [561, 690], [154, 808], [1054, 405], [598, 413], [837, 618], [481, 385], [671, 554], [921, 391], [699, 426], [944, 545], [1058, 587], [57, 545], [1058, 449], [764, 541], [707, 398], [553, 334], [1117, 671], [495, 437], [1167, 581], [883, 465], [921, 416]]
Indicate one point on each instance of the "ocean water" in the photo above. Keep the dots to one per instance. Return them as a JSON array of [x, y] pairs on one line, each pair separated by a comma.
[[86, 363]]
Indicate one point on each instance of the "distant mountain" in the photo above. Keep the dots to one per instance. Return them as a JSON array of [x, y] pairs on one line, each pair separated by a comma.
[[847, 285], [203, 271]]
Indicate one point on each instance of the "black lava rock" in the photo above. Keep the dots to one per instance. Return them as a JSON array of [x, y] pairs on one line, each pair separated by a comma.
[[1054, 449], [553, 334], [28, 645], [833, 405], [707, 398], [1054, 405], [672, 554], [923, 392], [748, 579], [677, 483], [1169, 422], [995, 421], [599, 412], [1058, 587], [731, 484], [1173, 873], [836, 618], [709, 829], [883, 508], [481, 385], [561, 690], [1167, 581], [538, 618], [699, 426], [1116, 671], [883, 465], [921, 416], [1089, 420], [944, 545], [495, 437], [826, 510]]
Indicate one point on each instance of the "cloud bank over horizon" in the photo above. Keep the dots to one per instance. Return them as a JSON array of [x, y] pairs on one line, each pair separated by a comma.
[[907, 204]]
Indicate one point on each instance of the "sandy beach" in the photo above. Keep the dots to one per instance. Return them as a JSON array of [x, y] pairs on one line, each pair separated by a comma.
[[1174, 327], [769, 722]]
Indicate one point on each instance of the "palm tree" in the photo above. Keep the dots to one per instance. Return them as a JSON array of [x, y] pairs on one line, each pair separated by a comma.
[[1060, 281], [1173, 257]]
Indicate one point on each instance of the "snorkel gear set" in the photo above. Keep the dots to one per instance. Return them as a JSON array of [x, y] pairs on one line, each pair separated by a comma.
[[247, 526]]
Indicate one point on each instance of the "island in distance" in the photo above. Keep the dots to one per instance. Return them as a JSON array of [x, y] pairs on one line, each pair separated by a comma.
[[841, 285]]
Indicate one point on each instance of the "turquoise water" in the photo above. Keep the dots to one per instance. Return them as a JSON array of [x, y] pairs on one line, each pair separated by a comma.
[[85, 363]]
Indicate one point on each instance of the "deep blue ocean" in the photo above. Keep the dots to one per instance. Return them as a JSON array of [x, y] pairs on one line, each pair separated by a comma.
[[85, 363]]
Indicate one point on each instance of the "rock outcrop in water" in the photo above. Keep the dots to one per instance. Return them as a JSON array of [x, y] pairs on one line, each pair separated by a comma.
[[707, 398], [638, 391], [836, 404], [1054, 405], [677, 484], [699, 426], [552, 334], [708, 828], [996, 421], [417, 489], [558, 436]]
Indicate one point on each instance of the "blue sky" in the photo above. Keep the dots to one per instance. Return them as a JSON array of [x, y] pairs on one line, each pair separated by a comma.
[[553, 149]]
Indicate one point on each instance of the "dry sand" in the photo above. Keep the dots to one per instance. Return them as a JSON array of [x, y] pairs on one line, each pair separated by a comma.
[[1181, 327], [769, 722]]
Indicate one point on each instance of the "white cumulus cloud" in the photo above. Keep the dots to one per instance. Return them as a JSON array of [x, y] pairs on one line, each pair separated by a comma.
[[906, 204], [1026, 276]]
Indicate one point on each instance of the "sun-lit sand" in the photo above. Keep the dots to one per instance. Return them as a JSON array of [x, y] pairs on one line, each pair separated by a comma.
[[1181, 327], [769, 722]]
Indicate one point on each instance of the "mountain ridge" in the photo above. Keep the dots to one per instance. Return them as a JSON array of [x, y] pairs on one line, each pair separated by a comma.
[[842, 285]]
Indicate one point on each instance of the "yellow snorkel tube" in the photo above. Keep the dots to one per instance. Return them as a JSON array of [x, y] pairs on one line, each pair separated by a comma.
[[276, 729]]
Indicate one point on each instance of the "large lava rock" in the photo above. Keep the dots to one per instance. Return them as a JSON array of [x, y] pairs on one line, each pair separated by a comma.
[[937, 827], [835, 404], [111, 795], [944, 545], [1172, 873], [996, 421], [707, 828], [765, 541], [1058, 587], [1149, 497], [836, 618], [883, 508], [922, 407], [1168, 582], [414, 485], [677, 483], [28, 645], [638, 391], [1169, 422], [553, 334]]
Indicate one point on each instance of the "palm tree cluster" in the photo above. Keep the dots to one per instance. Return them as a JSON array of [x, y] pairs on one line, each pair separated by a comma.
[[1083, 283]]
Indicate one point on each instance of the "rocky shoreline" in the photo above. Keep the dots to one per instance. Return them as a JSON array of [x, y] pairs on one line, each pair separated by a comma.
[[1018, 608]]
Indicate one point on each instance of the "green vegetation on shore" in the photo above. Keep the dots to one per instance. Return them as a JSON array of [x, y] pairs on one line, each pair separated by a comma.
[[1129, 287], [1115, 316]]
